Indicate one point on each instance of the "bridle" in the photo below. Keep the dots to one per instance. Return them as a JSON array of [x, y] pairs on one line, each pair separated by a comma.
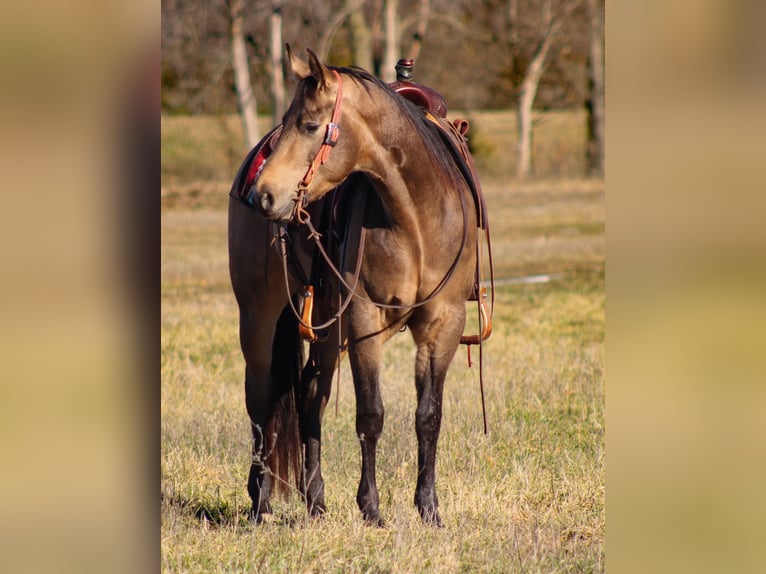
[[331, 136]]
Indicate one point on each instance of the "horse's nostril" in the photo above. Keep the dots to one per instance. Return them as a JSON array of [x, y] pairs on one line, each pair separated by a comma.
[[266, 201]]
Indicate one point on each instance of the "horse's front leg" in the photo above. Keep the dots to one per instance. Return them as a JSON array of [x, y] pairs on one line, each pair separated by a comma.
[[316, 387], [437, 340], [364, 356]]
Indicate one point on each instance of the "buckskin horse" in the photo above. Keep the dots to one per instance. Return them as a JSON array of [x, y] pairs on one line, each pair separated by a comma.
[[396, 248]]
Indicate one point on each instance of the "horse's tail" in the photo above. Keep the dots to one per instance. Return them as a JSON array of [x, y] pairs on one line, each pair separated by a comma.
[[283, 441]]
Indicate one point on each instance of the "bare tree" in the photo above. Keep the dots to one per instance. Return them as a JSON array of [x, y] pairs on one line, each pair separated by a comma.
[[275, 57], [471, 55], [376, 29], [245, 95], [361, 39], [421, 25], [553, 19], [594, 151], [391, 52], [349, 7]]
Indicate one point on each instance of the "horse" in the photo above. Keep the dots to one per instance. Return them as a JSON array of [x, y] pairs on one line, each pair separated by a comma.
[[407, 259]]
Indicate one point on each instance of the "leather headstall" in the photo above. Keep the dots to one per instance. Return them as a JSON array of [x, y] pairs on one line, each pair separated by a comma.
[[332, 134]]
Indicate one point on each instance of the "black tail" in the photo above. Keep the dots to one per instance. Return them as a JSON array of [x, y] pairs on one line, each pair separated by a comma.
[[283, 441]]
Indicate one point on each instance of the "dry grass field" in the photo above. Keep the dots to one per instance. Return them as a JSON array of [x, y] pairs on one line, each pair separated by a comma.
[[529, 497]]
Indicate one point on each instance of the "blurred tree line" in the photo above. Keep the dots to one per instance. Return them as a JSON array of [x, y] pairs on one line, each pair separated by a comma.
[[480, 54]]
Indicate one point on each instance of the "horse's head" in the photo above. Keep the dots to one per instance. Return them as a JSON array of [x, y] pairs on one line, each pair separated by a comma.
[[311, 135]]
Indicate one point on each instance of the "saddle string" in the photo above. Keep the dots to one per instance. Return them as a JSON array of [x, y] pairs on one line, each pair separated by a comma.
[[337, 368], [465, 163], [479, 261]]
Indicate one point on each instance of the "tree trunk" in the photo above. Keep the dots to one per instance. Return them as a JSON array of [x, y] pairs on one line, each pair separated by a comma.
[[331, 27], [275, 53], [514, 45], [526, 101], [534, 72], [424, 12], [594, 151], [245, 96], [361, 40], [391, 53], [378, 40]]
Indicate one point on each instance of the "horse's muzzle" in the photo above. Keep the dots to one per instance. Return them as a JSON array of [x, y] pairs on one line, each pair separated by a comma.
[[264, 202]]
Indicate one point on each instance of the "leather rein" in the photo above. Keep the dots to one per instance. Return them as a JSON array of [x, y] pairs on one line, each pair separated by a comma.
[[302, 216]]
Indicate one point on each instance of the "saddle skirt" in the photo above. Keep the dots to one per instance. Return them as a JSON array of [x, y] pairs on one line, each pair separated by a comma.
[[242, 189]]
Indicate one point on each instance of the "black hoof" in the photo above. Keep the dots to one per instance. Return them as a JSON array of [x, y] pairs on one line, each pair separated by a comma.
[[374, 521], [317, 510], [261, 516], [430, 517]]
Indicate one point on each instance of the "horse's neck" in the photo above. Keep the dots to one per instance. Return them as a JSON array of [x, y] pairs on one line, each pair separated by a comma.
[[401, 172]]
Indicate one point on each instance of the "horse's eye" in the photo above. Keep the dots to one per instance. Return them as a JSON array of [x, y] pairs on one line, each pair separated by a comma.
[[310, 128]]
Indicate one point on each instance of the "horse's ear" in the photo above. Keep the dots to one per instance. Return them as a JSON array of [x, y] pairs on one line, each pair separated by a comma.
[[319, 70], [299, 67]]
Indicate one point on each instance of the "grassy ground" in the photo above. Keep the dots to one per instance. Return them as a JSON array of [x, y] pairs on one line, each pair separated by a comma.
[[527, 498]]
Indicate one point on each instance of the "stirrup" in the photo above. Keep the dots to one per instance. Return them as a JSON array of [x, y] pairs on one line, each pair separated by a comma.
[[304, 325], [486, 322]]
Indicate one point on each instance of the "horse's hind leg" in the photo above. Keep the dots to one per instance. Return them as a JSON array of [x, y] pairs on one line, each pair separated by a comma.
[[258, 398], [315, 392], [256, 336], [437, 340]]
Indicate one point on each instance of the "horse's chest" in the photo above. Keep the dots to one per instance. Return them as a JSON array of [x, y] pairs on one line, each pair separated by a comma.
[[390, 270]]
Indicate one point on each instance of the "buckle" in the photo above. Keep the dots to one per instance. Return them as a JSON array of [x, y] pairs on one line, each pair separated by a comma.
[[332, 134]]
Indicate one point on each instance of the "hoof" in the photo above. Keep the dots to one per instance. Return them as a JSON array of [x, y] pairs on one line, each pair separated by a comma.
[[261, 517], [375, 521], [430, 517], [317, 510]]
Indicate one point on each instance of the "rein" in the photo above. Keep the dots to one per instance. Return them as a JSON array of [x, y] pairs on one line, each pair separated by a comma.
[[316, 236], [308, 292], [301, 215], [305, 320]]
